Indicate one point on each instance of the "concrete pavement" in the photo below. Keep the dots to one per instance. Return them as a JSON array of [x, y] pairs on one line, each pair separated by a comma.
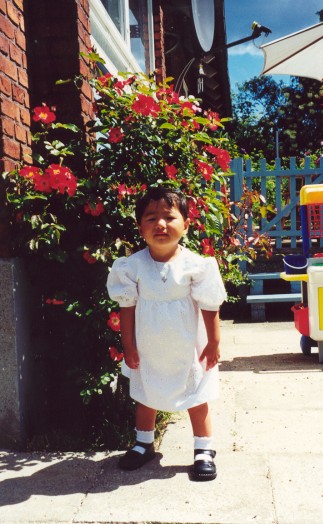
[[269, 440]]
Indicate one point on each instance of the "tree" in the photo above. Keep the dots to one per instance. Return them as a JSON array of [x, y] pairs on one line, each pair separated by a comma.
[[262, 106]]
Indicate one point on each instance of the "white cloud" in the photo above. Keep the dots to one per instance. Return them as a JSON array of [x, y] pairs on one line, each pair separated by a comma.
[[245, 49]]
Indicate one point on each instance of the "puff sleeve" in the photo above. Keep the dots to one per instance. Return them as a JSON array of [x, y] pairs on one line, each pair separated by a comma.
[[207, 286], [121, 283]]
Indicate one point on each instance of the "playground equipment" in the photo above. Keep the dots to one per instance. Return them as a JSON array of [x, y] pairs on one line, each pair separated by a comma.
[[308, 269]]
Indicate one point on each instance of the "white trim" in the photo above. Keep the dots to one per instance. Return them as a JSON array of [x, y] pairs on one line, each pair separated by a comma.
[[121, 57], [152, 61], [126, 21]]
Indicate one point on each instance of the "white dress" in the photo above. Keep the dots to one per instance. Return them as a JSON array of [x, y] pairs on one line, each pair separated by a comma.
[[170, 332]]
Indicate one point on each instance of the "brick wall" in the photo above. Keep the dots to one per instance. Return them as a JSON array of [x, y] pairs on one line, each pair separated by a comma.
[[14, 102], [40, 42], [160, 64], [56, 33]]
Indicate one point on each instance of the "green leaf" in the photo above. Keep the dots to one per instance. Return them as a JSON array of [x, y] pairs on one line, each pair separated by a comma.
[[167, 125], [71, 127], [67, 81], [95, 57], [203, 137], [38, 158]]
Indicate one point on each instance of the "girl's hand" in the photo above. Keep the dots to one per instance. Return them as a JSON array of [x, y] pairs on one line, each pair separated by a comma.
[[131, 358], [211, 353]]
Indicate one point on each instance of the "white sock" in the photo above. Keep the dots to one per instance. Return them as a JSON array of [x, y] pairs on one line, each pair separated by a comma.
[[146, 437], [203, 443]]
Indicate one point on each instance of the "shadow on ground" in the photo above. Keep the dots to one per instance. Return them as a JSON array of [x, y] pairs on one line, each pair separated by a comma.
[[75, 475], [283, 362]]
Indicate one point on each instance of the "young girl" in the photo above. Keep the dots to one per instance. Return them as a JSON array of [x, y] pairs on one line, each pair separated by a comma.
[[169, 299]]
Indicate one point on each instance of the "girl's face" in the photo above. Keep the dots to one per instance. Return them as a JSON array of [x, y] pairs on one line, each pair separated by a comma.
[[162, 226]]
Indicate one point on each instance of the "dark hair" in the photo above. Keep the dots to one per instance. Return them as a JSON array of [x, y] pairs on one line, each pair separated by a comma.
[[172, 197]]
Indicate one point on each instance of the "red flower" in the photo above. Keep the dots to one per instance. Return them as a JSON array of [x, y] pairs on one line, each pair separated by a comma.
[[88, 257], [211, 149], [214, 120], [205, 170], [201, 203], [171, 96], [223, 159], [115, 135], [207, 247], [94, 209], [115, 354], [125, 190], [114, 321], [145, 105], [62, 179], [193, 212], [29, 171], [189, 106], [171, 171], [54, 301], [120, 84], [44, 114], [42, 182], [222, 156], [104, 80]]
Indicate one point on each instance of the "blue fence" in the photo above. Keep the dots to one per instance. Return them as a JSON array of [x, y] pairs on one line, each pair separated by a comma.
[[284, 184]]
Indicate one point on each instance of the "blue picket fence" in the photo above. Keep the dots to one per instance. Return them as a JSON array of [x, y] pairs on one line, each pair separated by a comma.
[[284, 227]]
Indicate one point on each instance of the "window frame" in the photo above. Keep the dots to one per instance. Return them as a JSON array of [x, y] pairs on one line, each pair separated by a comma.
[[118, 43]]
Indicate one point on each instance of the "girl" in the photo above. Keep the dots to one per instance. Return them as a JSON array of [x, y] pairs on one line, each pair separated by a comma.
[[169, 299]]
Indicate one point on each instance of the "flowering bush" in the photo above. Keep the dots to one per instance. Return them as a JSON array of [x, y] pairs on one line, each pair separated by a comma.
[[72, 211]]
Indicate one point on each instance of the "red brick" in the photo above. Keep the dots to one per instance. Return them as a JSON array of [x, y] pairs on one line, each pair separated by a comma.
[[10, 109], [23, 78], [87, 91], [26, 154], [11, 148], [7, 27], [87, 108], [13, 13], [3, 6], [25, 116], [21, 134], [19, 95], [22, 23], [21, 40], [7, 165], [5, 85], [15, 54], [8, 127], [84, 68], [19, 4], [8, 67], [4, 44], [83, 18]]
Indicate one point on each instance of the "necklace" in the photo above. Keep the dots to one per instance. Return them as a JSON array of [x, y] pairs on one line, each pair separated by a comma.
[[165, 269]]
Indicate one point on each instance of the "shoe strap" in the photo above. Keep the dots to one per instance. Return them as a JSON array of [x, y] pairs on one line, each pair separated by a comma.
[[209, 452], [143, 445]]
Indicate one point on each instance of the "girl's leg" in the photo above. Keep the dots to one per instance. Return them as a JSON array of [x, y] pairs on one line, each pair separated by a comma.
[[204, 467], [201, 420], [145, 418], [143, 450]]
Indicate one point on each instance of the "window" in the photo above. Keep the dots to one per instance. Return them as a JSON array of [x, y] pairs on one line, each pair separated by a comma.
[[122, 32]]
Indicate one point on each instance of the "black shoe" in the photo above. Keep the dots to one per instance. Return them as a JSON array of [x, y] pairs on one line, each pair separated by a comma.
[[204, 469], [134, 460]]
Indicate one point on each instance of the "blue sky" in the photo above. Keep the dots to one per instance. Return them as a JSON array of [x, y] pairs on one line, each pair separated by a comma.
[[281, 16]]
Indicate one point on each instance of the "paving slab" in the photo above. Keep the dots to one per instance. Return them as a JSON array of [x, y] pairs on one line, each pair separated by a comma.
[[268, 434]]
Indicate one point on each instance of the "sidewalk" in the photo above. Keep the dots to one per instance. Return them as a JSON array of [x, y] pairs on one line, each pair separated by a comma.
[[269, 440]]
